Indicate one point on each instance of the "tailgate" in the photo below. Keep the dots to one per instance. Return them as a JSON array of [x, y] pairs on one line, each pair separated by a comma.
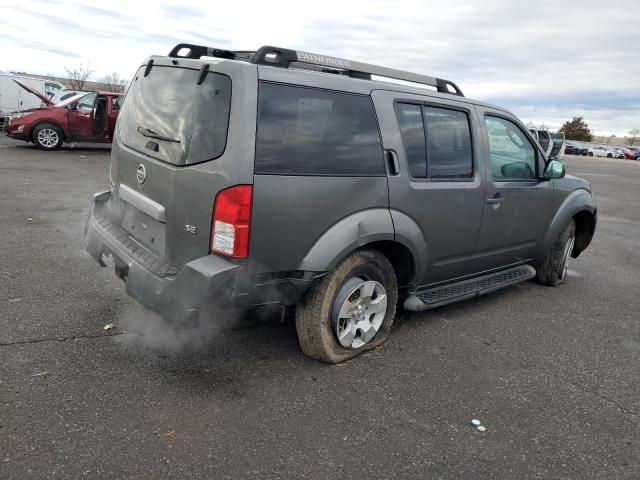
[[178, 142]]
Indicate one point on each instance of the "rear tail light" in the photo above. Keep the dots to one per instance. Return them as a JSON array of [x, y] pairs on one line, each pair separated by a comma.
[[231, 221]]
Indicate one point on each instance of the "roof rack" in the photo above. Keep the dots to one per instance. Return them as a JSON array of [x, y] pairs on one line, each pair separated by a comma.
[[284, 57]]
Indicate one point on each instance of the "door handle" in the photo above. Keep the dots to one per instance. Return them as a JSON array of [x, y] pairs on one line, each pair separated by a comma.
[[495, 200], [392, 162]]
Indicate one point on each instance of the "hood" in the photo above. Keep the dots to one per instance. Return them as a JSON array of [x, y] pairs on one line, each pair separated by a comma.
[[44, 99]]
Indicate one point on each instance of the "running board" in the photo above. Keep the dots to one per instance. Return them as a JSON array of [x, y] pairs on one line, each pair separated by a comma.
[[454, 292]]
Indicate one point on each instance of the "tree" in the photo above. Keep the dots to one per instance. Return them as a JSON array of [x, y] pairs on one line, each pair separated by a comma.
[[113, 83], [633, 135], [577, 129], [79, 74]]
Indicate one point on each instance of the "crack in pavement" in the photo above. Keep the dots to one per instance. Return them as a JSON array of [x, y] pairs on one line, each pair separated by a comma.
[[63, 339]]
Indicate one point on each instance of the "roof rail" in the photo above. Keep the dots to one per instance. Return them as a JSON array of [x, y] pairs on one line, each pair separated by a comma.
[[284, 57]]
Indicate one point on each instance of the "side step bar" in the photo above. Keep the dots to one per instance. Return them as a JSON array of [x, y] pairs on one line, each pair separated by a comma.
[[454, 292]]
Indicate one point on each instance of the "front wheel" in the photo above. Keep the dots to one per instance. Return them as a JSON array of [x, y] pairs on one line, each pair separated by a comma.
[[553, 270], [47, 136], [349, 310]]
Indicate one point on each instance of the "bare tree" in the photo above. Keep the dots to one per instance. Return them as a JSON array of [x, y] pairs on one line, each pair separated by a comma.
[[633, 135], [79, 74], [113, 83]]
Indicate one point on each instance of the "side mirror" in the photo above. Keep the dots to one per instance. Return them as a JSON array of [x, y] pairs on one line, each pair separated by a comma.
[[554, 169], [72, 106]]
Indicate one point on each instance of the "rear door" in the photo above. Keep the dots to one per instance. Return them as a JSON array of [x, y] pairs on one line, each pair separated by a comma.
[[440, 184], [319, 161], [518, 203], [179, 140]]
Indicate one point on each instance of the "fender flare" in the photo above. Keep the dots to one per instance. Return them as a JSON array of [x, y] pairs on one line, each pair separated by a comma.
[[347, 235], [362, 228], [576, 202]]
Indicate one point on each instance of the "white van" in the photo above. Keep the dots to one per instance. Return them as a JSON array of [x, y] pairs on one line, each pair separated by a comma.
[[14, 98]]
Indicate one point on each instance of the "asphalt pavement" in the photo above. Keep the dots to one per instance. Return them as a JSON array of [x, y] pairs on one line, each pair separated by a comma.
[[552, 373]]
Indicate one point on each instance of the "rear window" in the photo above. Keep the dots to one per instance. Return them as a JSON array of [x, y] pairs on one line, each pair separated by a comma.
[[308, 131], [169, 116]]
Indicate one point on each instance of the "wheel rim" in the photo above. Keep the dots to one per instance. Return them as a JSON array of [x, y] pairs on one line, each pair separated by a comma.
[[566, 256], [48, 137], [361, 312]]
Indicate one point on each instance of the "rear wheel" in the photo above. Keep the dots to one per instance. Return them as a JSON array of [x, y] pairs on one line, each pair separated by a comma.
[[349, 310], [47, 136], [590, 154], [553, 270], [609, 155]]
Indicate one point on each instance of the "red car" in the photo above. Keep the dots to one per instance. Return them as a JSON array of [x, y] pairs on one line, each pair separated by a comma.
[[86, 117], [629, 154]]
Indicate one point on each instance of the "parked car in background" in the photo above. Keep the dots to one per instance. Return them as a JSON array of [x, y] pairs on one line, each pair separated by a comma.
[[629, 154], [618, 153], [571, 149], [601, 151], [86, 117], [582, 150], [636, 152]]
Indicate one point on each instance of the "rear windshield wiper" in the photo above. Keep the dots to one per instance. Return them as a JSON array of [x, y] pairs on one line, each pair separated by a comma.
[[147, 132]]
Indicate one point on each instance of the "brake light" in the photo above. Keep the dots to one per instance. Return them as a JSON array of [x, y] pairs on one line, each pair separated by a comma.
[[231, 221]]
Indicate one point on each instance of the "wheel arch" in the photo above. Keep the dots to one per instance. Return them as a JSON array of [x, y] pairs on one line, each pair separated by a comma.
[[373, 229], [585, 221], [46, 122], [578, 206]]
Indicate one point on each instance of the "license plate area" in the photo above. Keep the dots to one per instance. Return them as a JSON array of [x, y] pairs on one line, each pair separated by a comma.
[[142, 228]]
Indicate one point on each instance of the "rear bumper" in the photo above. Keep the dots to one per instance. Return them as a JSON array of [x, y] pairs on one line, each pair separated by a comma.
[[176, 296], [180, 296]]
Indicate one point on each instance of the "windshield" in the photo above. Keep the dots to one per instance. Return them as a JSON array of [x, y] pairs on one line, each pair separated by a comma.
[[72, 99], [171, 117]]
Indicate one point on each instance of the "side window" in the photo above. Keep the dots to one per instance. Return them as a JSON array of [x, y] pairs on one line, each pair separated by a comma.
[[512, 155], [442, 150], [116, 103], [412, 132], [448, 143], [308, 131], [86, 103]]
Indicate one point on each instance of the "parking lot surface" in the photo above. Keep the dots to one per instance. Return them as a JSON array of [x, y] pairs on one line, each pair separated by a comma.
[[551, 372]]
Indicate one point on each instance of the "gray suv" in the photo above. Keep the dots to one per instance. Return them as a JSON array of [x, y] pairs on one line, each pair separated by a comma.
[[347, 190]]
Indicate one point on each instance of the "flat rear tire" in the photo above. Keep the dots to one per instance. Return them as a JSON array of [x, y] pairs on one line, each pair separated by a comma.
[[350, 309]]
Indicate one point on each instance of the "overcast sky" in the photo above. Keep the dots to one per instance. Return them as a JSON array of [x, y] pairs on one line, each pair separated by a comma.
[[545, 60]]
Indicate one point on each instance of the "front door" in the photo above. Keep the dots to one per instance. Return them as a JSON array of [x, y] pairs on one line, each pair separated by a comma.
[[81, 117], [439, 184], [517, 201]]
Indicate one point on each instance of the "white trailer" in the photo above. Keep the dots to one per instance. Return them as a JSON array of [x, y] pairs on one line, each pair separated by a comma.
[[14, 98]]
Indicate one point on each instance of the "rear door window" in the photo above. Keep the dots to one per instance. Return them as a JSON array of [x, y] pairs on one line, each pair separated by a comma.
[[171, 117], [309, 131], [437, 141]]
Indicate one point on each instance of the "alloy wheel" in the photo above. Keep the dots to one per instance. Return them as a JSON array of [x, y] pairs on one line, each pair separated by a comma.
[[361, 309], [48, 138]]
